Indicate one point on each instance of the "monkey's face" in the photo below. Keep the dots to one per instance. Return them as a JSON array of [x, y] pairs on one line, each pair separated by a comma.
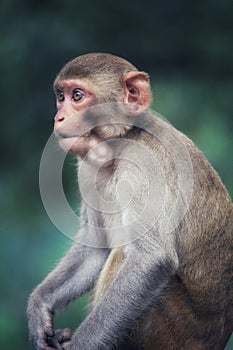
[[73, 97], [81, 128], [77, 121]]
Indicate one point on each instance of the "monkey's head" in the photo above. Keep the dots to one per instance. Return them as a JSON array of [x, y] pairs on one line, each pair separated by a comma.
[[91, 80]]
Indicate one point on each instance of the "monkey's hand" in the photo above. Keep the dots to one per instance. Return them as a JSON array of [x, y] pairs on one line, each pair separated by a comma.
[[40, 323], [61, 339]]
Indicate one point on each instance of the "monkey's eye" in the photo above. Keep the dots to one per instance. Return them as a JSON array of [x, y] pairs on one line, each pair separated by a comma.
[[77, 95], [60, 95]]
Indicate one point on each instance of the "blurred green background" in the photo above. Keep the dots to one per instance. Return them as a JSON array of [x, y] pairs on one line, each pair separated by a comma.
[[187, 49]]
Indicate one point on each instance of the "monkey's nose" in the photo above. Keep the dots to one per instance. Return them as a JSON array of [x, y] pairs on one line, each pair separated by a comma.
[[59, 117]]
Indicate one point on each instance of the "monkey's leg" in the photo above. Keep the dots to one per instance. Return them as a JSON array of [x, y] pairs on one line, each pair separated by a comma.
[[136, 287]]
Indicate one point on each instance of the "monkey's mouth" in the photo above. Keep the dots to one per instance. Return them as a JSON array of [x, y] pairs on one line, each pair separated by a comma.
[[63, 135], [74, 144]]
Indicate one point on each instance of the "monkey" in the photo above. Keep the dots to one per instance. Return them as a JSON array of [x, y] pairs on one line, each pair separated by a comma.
[[156, 252]]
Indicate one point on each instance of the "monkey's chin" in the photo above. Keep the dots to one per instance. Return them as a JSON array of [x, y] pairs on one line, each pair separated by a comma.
[[100, 155], [72, 145]]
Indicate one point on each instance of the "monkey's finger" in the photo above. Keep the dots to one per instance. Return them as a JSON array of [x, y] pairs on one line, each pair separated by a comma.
[[43, 345], [63, 335], [54, 344], [66, 346], [49, 331]]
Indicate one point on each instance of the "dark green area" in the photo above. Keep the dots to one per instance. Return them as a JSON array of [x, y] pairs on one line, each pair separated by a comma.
[[187, 49]]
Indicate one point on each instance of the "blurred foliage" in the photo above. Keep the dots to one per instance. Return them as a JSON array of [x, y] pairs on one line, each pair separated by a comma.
[[187, 49]]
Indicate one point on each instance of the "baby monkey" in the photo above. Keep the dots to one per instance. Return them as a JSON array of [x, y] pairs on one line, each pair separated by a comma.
[[156, 223]]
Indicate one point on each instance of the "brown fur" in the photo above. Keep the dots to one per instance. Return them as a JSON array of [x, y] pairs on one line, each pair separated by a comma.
[[195, 312], [193, 308]]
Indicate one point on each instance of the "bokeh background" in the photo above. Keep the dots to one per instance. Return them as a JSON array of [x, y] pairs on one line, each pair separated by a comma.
[[187, 49]]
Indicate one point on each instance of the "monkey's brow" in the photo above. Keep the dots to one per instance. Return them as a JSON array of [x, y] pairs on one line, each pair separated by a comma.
[[62, 85], [57, 87]]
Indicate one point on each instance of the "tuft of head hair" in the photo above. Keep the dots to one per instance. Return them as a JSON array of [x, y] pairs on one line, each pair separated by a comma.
[[95, 64]]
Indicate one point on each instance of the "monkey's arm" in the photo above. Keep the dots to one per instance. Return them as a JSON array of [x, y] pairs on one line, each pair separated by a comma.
[[137, 286], [74, 275]]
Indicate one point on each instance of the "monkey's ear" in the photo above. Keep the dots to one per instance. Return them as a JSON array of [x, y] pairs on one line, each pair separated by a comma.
[[137, 92]]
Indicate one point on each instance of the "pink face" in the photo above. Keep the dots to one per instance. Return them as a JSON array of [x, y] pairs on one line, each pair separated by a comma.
[[72, 98]]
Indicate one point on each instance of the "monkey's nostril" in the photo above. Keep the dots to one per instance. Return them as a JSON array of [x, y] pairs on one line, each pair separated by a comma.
[[60, 118]]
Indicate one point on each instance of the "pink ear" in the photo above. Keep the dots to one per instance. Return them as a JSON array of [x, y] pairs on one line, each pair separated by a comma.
[[137, 92]]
